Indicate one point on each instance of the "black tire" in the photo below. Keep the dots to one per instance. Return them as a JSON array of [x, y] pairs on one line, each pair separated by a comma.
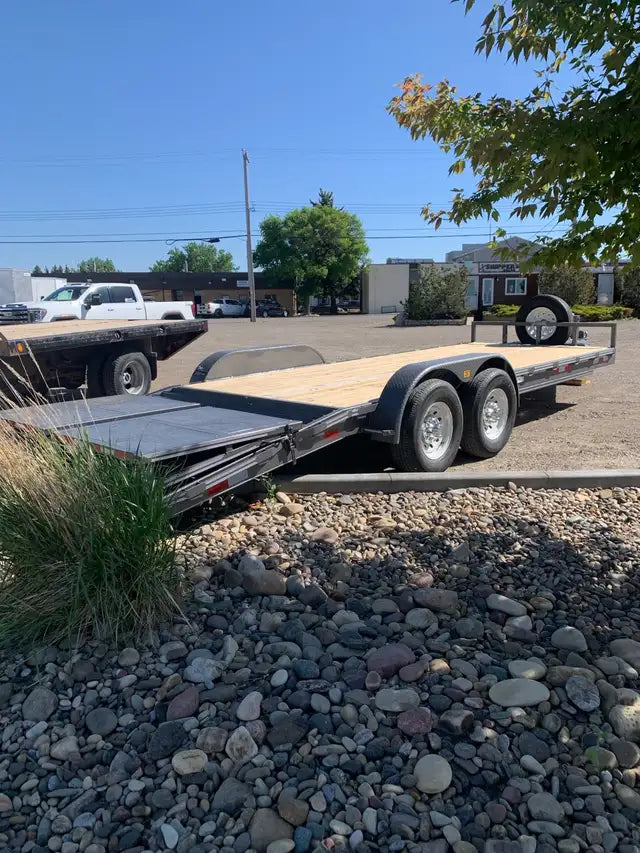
[[560, 310], [411, 453], [478, 437], [217, 313], [129, 373]]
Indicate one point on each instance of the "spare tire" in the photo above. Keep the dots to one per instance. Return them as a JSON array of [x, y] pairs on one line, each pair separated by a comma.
[[540, 308]]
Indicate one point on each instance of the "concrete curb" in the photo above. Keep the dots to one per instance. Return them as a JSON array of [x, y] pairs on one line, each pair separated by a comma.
[[400, 482]]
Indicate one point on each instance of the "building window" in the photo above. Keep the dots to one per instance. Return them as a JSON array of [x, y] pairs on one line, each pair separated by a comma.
[[516, 287]]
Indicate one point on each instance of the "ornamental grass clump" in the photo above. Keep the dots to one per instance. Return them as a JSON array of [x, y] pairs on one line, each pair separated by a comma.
[[86, 542]]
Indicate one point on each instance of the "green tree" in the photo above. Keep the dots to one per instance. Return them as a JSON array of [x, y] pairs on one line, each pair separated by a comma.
[[575, 286], [36, 270], [325, 199], [438, 294], [58, 269], [196, 257], [321, 248], [630, 289], [97, 265], [570, 153]]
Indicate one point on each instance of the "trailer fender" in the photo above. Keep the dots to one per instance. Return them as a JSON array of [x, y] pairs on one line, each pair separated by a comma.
[[385, 421]]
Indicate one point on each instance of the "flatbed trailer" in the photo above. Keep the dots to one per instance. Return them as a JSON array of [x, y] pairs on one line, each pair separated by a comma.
[[111, 357], [248, 412]]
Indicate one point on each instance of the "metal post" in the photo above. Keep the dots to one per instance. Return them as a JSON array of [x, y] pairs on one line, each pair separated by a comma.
[[252, 284]]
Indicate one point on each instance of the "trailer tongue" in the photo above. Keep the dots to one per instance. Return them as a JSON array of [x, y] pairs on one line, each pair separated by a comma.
[[248, 412]]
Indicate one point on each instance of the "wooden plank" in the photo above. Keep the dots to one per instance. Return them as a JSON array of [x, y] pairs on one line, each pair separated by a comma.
[[350, 383], [30, 331]]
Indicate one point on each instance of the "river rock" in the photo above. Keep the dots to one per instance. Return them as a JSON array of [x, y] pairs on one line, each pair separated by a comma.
[[628, 650], [231, 797], [420, 618], [415, 721], [505, 605], [544, 806], [532, 668], [39, 705], [101, 721], [433, 774], [518, 692], [65, 749], [249, 708], [583, 693], [266, 582], [266, 827], [389, 659], [240, 746], [397, 700], [439, 600], [569, 638], [189, 761]]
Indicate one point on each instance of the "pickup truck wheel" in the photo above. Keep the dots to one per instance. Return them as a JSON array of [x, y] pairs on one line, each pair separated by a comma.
[[217, 313], [489, 403], [431, 428], [129, 373]]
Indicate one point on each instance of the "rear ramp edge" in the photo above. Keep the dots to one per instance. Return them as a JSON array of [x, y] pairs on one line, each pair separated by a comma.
[[392, 482]]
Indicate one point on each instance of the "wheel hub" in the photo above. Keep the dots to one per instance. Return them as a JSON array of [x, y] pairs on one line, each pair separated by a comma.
[[495, 413], [437, 430], [539, 315]]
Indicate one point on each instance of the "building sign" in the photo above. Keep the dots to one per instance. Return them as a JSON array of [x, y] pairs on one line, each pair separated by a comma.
[[244, 283], [498, 268]]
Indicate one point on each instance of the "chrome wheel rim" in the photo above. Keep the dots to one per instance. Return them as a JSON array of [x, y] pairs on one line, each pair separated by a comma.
[[436, 430], [539, 315], [133, 378], [495, 414]]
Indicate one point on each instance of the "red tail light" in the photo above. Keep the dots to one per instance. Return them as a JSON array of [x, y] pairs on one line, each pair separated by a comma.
[[193, 308]]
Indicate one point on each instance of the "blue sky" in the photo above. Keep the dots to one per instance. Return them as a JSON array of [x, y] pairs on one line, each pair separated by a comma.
[[127, 118]]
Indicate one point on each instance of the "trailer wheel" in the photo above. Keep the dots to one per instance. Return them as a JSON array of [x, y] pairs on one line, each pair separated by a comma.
[[541, 308], [489, 403], [431, 428], [129, 373]]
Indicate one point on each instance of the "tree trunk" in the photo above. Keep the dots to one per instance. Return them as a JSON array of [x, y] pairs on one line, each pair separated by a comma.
[[334, 305]]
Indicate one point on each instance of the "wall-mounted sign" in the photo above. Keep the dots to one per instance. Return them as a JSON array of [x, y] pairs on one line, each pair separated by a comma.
[[497, 268], [410, 260], [242, 283]]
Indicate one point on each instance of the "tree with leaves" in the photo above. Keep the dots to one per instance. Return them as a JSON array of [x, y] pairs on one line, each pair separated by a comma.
[[576, 286], [97, 265], [570, 153], [196, 257], [321, 248], [37, 270]]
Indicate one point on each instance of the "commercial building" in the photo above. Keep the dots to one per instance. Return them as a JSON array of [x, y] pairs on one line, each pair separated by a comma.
[[195, 286]]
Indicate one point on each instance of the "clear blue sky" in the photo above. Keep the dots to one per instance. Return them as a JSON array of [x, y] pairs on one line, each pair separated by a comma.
[[127, 117]]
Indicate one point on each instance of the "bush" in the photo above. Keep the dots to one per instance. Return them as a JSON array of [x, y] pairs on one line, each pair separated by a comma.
[[86, 543], [575, 286], [438, 295], [630, 290], [602, 313], [502, 310]]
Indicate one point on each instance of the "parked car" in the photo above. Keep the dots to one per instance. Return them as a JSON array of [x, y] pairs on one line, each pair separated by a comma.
[[266, 308], [95, 302], [223, 307]]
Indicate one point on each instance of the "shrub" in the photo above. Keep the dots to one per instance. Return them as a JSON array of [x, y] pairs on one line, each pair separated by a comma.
[[575, 286], [602, 313], [438, 294], [86, 543], [502, 310], [630, 290]]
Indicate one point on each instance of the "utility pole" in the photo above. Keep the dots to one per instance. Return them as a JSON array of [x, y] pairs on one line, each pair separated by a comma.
[[252, 284]]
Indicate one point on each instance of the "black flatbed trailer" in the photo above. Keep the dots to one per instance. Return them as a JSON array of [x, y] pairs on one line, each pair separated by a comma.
[[248, 412], [111, 357]]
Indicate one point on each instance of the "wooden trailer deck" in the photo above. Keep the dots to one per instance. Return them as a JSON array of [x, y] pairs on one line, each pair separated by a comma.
[[34, 331], [351, 383]]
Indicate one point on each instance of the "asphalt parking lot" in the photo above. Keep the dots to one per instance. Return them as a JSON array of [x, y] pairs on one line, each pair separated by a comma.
[[594, 426]]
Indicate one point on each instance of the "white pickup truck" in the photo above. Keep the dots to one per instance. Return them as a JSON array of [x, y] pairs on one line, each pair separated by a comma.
[[95, 301]]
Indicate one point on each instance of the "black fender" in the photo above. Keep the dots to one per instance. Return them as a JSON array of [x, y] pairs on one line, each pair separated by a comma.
[[385, 421]]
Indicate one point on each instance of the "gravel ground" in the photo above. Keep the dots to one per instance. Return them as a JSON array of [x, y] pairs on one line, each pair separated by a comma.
[[419, 673], [595, 426]]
